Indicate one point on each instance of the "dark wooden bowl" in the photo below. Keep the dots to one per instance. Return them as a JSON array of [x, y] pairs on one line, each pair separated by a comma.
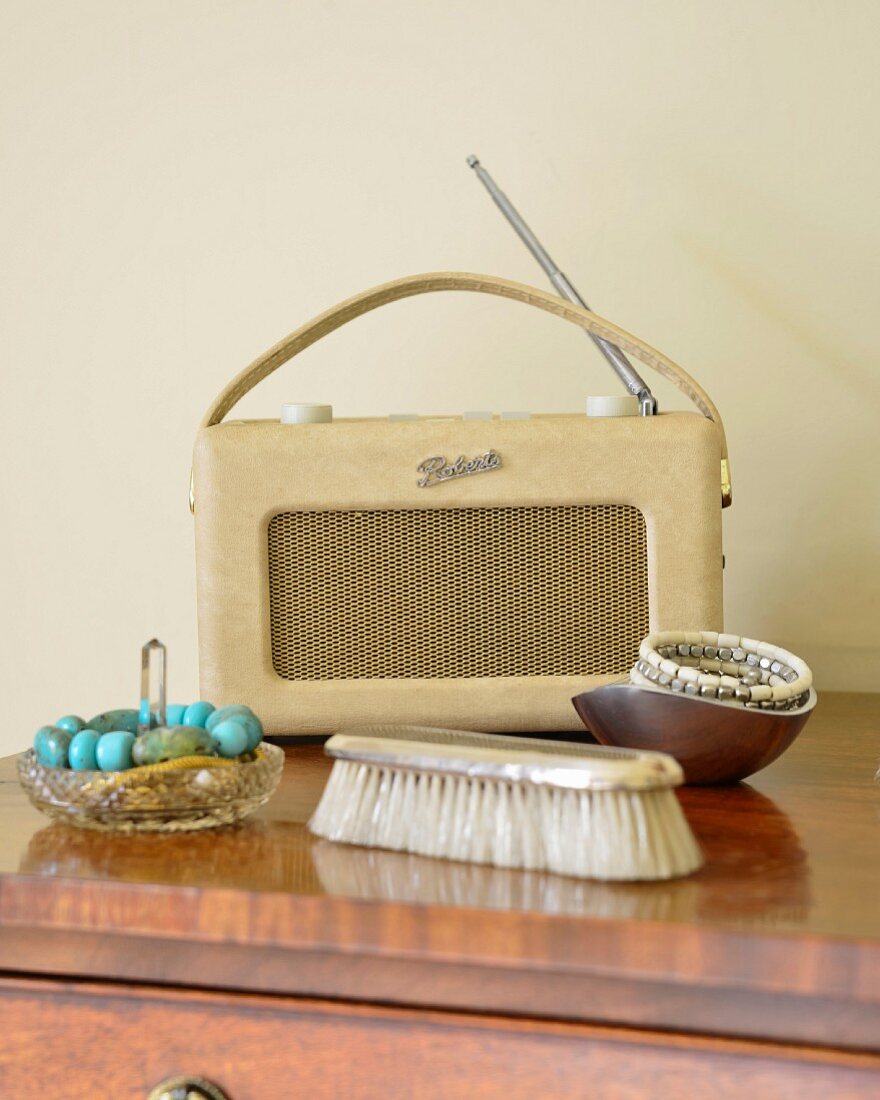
[[714, 742]]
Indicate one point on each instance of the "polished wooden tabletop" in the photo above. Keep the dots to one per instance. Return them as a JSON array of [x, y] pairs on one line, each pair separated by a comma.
[[779, 934]]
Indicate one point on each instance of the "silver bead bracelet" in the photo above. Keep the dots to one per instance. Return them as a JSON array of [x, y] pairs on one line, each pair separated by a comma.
[[725, 667]]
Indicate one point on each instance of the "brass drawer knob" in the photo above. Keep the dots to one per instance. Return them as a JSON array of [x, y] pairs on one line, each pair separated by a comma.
[[187, 1088]]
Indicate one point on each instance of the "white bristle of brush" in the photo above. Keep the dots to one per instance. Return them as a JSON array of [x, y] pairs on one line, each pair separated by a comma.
[[585, 811]]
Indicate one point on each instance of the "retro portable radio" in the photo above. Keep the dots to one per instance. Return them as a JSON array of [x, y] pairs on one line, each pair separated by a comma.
[[472, 572]]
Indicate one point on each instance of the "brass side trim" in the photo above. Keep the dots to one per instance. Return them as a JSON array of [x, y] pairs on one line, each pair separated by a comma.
[[726, 492]]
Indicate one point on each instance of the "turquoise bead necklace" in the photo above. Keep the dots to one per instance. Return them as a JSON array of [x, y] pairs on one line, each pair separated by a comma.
[[116, 740]]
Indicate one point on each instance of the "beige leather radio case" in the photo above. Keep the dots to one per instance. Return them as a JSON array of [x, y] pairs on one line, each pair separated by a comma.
[[448, 572]]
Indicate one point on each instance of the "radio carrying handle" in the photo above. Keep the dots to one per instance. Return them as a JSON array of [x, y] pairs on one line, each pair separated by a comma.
[[368, 300]]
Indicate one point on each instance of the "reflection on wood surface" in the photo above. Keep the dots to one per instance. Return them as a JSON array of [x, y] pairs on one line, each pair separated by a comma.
[[395, 876], [765, 872], [253, 856], [761, 875]]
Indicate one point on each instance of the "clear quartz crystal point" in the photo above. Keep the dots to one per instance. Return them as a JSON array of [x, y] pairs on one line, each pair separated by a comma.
[[153, 665]]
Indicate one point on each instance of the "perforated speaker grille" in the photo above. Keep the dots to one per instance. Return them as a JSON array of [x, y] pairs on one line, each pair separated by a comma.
[[457, 592]]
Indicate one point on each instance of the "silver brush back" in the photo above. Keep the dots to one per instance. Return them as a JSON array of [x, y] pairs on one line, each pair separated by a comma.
[[508, 759]]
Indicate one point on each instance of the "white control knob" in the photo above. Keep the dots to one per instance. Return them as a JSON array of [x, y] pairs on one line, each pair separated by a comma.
[[621, 404], [306, 414]]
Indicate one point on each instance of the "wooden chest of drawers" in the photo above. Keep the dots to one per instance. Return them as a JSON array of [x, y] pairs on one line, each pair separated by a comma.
[[277, 965]]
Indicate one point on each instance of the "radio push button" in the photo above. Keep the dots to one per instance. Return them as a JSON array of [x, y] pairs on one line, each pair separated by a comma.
[[516, 416], [306, 414], [621, 404], [479, 414]]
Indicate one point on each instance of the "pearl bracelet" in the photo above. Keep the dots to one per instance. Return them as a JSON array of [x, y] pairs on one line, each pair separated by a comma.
[[724, 667]]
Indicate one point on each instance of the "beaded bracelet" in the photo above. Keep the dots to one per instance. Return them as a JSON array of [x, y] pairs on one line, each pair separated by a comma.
[[724, 667]]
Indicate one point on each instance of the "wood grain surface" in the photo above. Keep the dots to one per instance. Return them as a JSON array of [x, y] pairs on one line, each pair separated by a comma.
[[72, 1042], [778, 937]]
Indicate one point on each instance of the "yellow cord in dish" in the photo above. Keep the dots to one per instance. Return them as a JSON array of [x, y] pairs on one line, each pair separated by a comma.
[[132, 775], [188, 762]]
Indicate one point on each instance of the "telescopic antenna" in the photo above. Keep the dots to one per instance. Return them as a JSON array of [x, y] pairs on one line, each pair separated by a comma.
[[622, 367]]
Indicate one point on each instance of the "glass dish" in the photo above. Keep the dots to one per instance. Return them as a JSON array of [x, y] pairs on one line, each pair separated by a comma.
[[153, 799]]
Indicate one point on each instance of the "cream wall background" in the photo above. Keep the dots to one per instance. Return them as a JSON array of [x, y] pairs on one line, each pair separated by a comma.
[[184, 182]]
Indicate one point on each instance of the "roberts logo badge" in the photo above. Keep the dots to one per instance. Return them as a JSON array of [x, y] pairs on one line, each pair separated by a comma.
[[438, 469]]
